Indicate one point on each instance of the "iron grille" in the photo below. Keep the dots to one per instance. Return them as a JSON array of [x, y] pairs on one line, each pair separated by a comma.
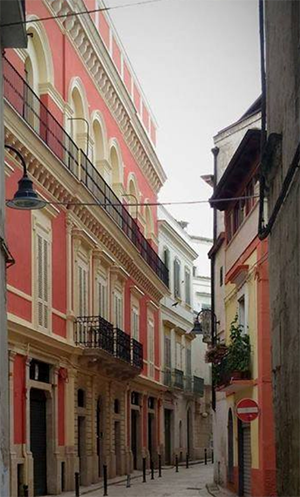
[[178, 378], [95, 332], [168, 377], [28, 105], [122, 345], [198, 386], [137, 354]]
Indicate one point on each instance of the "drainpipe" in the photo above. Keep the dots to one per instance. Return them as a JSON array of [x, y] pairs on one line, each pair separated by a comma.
[[215, 152]]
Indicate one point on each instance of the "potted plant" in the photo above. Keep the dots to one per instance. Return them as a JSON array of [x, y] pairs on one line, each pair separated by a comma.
[[239, 352], [216, 353]]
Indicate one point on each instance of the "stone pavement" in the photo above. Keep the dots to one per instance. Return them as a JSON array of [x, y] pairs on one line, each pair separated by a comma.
[[197, 481]]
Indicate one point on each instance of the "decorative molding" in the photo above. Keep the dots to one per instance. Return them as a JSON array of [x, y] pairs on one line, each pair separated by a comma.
[[59, 313], [49, 89], [98, 229], [87, 42], [18, 292], [136, 292]]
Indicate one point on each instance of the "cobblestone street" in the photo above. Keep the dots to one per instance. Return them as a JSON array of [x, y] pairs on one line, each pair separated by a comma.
[[190, 482]]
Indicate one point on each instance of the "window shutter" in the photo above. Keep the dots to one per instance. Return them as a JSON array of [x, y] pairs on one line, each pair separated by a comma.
[[102, 298], [167, 352], [188, 362], [118, 310], [43, 262], [187, 287], [151, 347], [83, 293]]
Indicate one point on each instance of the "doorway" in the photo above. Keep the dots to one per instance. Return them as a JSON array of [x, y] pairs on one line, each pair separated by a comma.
[[244, 458], [99, 435], [81, 442], [151, 435], [38, 440], [134, 436], [168, 419], [230, 447], [188, 432], [118, 447]]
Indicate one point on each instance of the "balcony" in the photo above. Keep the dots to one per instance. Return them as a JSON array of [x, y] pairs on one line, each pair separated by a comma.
[[198, 386], [28, 105], [112, 346], [191, 385], [178, 379]]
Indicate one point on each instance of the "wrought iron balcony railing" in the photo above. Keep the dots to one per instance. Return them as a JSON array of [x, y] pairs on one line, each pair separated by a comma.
[[198, 386], [97, 333], [178, 379], [168, 377], [29, 106], [188, 384]]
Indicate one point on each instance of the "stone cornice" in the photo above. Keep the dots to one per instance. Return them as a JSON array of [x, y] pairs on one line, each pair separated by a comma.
[[87, 41], [100, 227]]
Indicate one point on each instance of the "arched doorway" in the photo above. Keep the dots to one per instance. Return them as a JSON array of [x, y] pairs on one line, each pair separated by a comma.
[[230, 447]]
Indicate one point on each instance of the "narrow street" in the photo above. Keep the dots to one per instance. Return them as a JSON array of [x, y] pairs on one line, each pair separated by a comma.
[[190, 482]]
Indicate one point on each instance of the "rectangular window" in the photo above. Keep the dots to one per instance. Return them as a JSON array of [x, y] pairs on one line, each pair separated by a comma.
[[83, 290], [118, 310], [241, 312], [221, 276], [188, 362], [167, 352], [178, 356], [176, 278], [43, 279], [135, 323], [102, 297], [187, 281], [151, 347]]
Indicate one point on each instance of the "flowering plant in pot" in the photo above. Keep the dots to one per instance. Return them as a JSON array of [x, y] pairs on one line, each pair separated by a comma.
[[239, 352], [216, 353]]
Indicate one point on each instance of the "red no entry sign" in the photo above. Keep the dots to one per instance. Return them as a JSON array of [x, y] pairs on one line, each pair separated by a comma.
[[247, 410]]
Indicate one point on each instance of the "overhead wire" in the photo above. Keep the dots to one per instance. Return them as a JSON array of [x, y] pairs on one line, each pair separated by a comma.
[[150, 204], [74, 14]]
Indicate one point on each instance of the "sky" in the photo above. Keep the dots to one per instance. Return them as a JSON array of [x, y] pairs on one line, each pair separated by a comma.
[[198, 64]]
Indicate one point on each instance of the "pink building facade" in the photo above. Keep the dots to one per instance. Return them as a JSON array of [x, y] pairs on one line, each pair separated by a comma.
[[84, 292]]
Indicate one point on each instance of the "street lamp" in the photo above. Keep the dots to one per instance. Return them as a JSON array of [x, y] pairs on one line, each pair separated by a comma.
[[205, 324], [25, 197]]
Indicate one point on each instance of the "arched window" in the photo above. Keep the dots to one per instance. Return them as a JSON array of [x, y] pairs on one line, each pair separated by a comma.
[[116, 170], [230, 446], [78, 124], [133, 197], [99, 148]]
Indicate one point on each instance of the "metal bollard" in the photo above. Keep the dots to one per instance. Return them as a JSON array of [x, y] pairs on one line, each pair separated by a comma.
[[25, 491], [212, 456], [159, 466], [77, 490], [152, 469], [176, 462], [205, 456], [104, 480], [187, 461], [144, 469], [128, 481]]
